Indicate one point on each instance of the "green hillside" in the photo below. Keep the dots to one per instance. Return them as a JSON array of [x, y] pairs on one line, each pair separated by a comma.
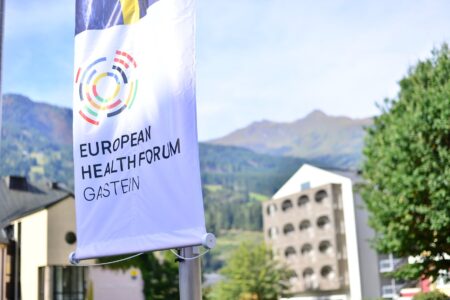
[[37, 143], [36, 140]]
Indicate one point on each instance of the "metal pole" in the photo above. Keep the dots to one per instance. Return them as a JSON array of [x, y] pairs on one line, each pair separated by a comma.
[[189, 272], [2, 22]]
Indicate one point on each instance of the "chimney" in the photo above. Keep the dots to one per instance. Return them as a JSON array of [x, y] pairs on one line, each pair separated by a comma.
[[55, 185], [17, 183], [52, 185]]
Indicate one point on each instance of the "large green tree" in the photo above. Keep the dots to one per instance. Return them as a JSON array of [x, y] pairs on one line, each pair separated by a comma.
[[407, 169], [251, 274]]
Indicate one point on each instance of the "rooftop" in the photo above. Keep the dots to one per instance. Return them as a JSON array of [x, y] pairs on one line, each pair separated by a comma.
[[18, 197]]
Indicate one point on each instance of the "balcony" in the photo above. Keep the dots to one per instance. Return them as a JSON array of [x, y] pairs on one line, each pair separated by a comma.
[[393, 289], [390, 264], [388, 291]]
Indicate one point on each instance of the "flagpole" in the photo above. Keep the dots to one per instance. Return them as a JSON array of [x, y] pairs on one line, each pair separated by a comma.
[[189, 272]]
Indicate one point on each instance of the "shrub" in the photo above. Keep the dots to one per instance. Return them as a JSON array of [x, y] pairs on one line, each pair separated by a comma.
[[434, 295]]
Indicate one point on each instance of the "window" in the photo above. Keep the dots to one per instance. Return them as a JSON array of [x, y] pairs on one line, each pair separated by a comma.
[[320, 195], [289, 252], [309, 279], [304, 225], [67, 282], [288, 228], [271, 209], [325, 247], [303, 200], [308, 274], [287, 204], [272, 232], [41, 283], [71, 238], [323, 222], [306, 249], [293, 278], [327, 272]]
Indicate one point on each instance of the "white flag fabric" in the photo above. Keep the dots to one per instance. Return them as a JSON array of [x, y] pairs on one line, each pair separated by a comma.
[[137, 177]]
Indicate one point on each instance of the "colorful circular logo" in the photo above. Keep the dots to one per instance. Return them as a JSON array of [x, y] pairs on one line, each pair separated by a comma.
[[107, 87]]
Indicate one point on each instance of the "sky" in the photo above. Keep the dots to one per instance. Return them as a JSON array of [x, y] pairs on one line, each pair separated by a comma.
[[256, 59]]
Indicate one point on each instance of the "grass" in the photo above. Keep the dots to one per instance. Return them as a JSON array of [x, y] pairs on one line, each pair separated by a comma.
[[258, 197], [213, 187]]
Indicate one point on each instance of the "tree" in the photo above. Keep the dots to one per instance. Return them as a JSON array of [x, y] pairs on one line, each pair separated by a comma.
[[407, 169], [434, 295], [251, 274], [160, 275]]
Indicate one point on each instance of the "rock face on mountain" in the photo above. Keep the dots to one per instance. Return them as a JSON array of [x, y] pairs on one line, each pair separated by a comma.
[[334, 141]]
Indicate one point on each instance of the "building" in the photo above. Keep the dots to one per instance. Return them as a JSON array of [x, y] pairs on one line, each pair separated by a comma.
[[315, 225], [37, 233], [390, 287]]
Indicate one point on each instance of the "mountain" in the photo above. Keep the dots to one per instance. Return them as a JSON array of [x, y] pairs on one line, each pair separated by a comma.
[[53, 122], [37, 143], [36, 140], [333, 141]]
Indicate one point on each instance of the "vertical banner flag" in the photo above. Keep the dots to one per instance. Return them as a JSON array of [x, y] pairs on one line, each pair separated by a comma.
[[137, 175]]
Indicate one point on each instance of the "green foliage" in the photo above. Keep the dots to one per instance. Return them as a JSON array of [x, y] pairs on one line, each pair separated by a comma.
[[244, 170], [251, 273], [407, 169], [159, 273], [227, 209], [434, 295], [36, 140], [227, 244], [235, 182]]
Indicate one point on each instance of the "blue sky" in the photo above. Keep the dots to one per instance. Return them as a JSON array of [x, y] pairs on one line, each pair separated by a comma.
[[256, 59]]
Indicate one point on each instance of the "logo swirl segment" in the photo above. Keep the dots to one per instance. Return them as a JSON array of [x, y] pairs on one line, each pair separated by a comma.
[[106, 87]]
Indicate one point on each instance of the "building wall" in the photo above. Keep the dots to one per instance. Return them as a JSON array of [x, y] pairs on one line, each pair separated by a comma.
[[43, 244], [307, 208], [61, 220], [116, 285], [317, 177], [368, 258], [33, 251], [106, 284]]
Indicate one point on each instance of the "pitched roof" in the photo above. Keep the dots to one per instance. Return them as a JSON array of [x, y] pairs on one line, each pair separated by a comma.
[[315, 177], [18, 201]]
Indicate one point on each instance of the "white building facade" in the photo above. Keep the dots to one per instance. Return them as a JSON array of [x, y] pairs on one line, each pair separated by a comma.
[[316, 225]]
